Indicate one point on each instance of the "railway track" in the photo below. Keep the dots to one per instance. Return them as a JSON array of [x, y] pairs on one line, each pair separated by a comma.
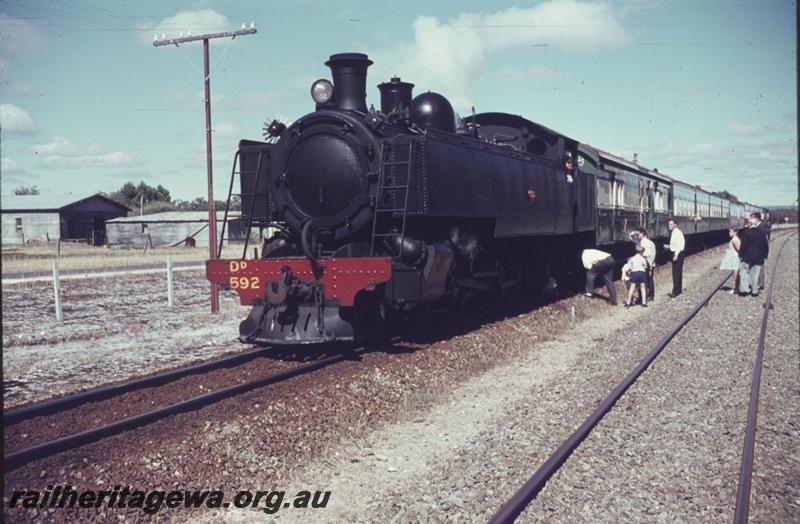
[[20, 457], [742, 508], [59, 404], [512, 508]]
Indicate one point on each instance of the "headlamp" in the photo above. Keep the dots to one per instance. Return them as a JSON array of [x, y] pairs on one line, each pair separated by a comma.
[[322, 91]]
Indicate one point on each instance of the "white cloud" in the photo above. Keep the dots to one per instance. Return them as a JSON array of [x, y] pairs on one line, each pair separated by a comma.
[[62, 153], [4, 67], [20, 38], [198, 22], [537, 71], [10, 87], [747, 129], [449, 56], [765, 173], [8, 166], [15, 121], [226, 131]]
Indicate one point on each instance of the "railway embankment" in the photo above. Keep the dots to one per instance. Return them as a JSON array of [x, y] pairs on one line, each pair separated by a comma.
[[670, 447], [447, 420]]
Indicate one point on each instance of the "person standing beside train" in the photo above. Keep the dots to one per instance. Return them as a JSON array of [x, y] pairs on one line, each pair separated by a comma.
[[599, 263], [753, 252], [764, 227], [677, 246], [730, 261], [649, 255]]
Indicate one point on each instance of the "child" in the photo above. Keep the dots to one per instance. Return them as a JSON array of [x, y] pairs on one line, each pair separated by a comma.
[[638, 266]]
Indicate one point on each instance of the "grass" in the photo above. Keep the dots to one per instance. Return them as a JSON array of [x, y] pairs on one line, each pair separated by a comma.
[[80, 256]]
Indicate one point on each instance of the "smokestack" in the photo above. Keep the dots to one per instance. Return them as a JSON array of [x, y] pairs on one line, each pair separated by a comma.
[[350, 80], [395, 94]]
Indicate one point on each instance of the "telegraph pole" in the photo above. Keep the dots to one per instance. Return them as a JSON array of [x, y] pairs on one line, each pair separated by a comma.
[[212, 212]]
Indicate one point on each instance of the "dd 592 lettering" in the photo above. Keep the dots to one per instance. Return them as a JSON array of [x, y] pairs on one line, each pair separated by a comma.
[[244, 283], [234, 266]]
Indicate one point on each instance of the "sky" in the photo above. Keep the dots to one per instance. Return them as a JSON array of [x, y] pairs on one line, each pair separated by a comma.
[[704, 91]]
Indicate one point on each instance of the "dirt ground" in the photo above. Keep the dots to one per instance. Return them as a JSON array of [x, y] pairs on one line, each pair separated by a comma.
[[114, 328], [40, 257]]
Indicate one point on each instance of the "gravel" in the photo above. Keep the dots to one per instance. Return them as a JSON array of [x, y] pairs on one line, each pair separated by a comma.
[[113, 329], [402, 434], [775, 495], [670, 448], [672, 445], [258, 440]]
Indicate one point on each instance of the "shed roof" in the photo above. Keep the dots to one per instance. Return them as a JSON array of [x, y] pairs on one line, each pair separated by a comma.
[[174, 216], [47, 202]]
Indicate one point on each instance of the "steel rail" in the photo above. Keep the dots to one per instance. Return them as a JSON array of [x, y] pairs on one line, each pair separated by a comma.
[[59, 404], [19, 458], [517, 503], [742, 510]]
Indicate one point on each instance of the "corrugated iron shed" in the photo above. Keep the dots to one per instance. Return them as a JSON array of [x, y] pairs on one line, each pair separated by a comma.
[[176, 216], [58, 202]]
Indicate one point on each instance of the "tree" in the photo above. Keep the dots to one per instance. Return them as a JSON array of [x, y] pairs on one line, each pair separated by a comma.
[[236, 204], [201, 204], [158, 207], [132, 195], [25, 190], [729, 196], [158, 199], [779, 214]]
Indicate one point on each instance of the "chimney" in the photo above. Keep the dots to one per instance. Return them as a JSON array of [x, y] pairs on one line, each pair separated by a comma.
[[395, 94], [349, 80]]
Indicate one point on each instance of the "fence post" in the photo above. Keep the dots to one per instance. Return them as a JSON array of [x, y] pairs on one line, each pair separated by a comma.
[[170, 295], [57, 291]]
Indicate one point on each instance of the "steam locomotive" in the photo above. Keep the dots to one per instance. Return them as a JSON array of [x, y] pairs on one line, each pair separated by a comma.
[[377, 213]]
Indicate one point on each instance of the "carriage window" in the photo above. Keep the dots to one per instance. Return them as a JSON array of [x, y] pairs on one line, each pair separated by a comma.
[[604, 192], [688, 206], [632, 195], [18, 223], [585, 165], [619, 193]]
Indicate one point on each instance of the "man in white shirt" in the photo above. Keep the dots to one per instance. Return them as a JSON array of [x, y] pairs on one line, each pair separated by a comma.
[[649, 255], [677, 246], [599, 263]]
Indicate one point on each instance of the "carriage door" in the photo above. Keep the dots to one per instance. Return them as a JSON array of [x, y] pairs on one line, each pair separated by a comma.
[[650, 223], [565, 190], [571, 180]]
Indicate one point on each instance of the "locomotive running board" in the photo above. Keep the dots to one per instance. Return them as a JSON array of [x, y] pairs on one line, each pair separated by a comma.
[[342, 278]]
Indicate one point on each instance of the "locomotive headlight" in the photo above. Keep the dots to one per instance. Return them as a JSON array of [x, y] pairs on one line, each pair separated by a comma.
[[322, 91]]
